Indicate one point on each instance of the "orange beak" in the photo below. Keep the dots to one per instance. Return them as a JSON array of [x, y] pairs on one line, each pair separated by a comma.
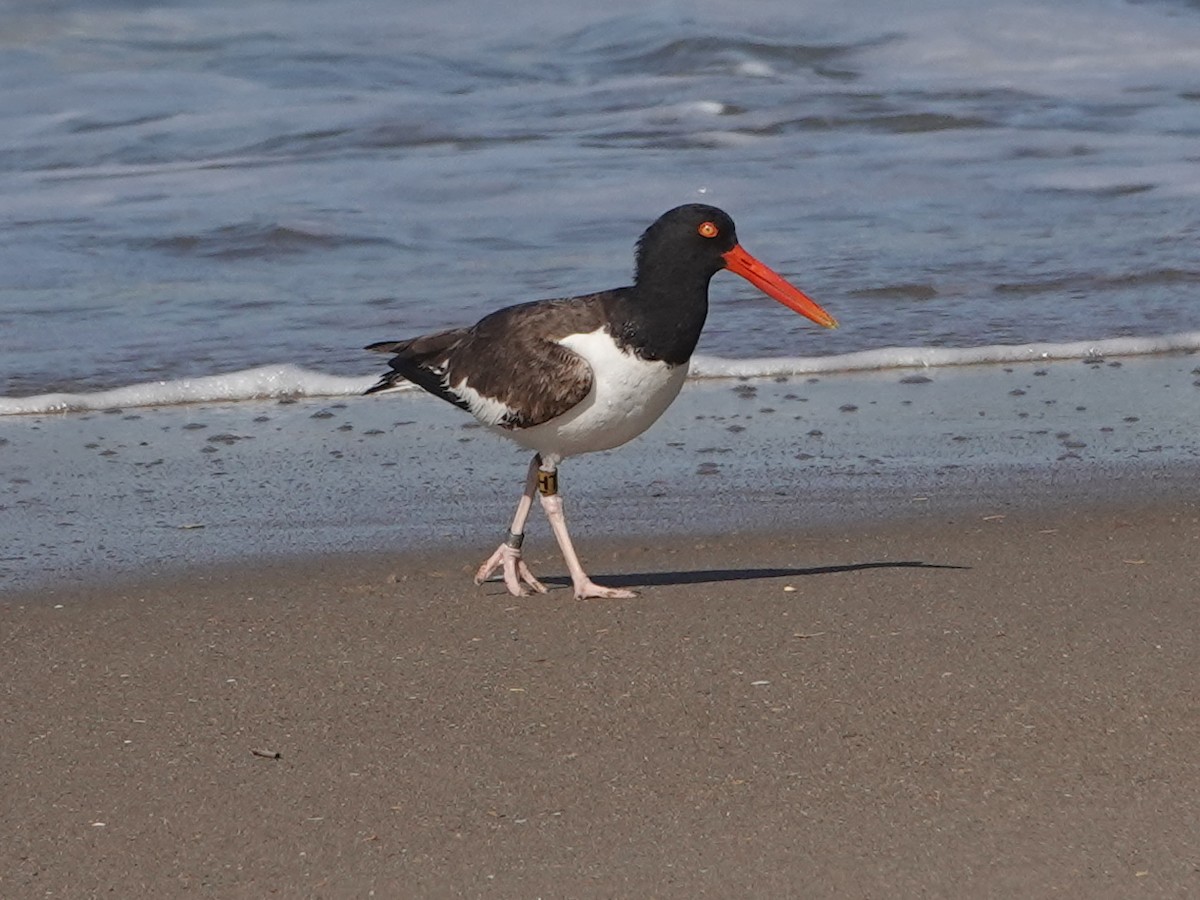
[[773, 285]]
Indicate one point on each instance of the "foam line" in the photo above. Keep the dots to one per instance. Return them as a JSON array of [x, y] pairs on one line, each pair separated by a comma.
[[267, 382]]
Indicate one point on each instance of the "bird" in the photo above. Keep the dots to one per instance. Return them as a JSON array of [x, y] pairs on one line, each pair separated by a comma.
[[580, 374]]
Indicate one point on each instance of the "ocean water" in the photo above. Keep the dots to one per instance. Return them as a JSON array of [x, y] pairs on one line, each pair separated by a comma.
[[217, 201]]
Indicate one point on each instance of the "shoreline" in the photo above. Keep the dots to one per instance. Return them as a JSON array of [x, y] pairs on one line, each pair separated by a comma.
[[266, 381], [113, 495], [615, 557]]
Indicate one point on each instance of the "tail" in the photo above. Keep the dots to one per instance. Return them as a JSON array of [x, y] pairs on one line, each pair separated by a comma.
[[387, 346], [392, 380], [421, 361]]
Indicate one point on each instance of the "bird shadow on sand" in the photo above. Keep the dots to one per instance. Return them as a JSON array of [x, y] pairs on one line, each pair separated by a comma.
[[716, 576]]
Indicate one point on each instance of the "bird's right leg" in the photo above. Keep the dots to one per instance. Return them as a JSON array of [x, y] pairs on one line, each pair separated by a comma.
[[517, 577]]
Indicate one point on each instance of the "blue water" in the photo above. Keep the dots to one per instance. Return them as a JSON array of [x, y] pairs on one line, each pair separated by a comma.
[[194, 190]]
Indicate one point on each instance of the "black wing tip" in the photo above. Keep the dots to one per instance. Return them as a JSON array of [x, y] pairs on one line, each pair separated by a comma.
[[384, 346], [385, 383]]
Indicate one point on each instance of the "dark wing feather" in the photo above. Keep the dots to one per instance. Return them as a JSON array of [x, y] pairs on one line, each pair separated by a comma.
[[423, 361], [511, 356]]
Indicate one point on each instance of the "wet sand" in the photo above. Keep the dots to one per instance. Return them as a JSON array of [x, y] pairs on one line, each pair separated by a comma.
[[123, 492], [942, 647]]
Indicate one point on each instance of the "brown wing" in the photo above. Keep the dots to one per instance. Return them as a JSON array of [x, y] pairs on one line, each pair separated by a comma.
[[511, 358]]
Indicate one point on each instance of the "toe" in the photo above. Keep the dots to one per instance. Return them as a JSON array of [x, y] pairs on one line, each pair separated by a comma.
[[592, 590], [527, 577]]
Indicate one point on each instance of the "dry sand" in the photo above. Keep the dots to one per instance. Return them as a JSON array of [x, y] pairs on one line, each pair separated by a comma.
[[968, 705]]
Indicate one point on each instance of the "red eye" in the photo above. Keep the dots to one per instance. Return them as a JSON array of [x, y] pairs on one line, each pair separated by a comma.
[[708, 230]]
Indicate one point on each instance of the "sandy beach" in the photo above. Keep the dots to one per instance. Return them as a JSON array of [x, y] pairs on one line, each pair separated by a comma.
[[991, 705], [918, 597], [967, 668]]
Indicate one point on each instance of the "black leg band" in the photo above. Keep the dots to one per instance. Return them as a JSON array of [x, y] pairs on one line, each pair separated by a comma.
[[514, 540]]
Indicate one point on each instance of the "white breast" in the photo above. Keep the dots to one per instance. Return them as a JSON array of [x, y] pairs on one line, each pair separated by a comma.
[[628, 395]]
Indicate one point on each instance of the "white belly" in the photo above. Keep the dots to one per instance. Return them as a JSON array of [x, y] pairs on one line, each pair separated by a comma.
[[628, 395]]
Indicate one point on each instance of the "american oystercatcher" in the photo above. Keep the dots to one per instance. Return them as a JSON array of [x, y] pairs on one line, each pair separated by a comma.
[[580, 374]]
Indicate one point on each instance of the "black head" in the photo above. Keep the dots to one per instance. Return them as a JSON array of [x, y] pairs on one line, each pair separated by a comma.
[[691, 238], [680, 252]]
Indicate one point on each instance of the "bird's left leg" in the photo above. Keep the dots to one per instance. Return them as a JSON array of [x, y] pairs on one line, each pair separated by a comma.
[[517, 577], [552, 503]]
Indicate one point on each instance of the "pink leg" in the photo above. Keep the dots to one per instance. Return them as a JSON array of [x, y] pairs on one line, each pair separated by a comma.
[[584, 586], [517, 577]]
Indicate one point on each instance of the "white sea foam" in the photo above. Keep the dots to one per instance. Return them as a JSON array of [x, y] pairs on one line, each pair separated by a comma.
[[267, 382], [937, 357], [261, 383]]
